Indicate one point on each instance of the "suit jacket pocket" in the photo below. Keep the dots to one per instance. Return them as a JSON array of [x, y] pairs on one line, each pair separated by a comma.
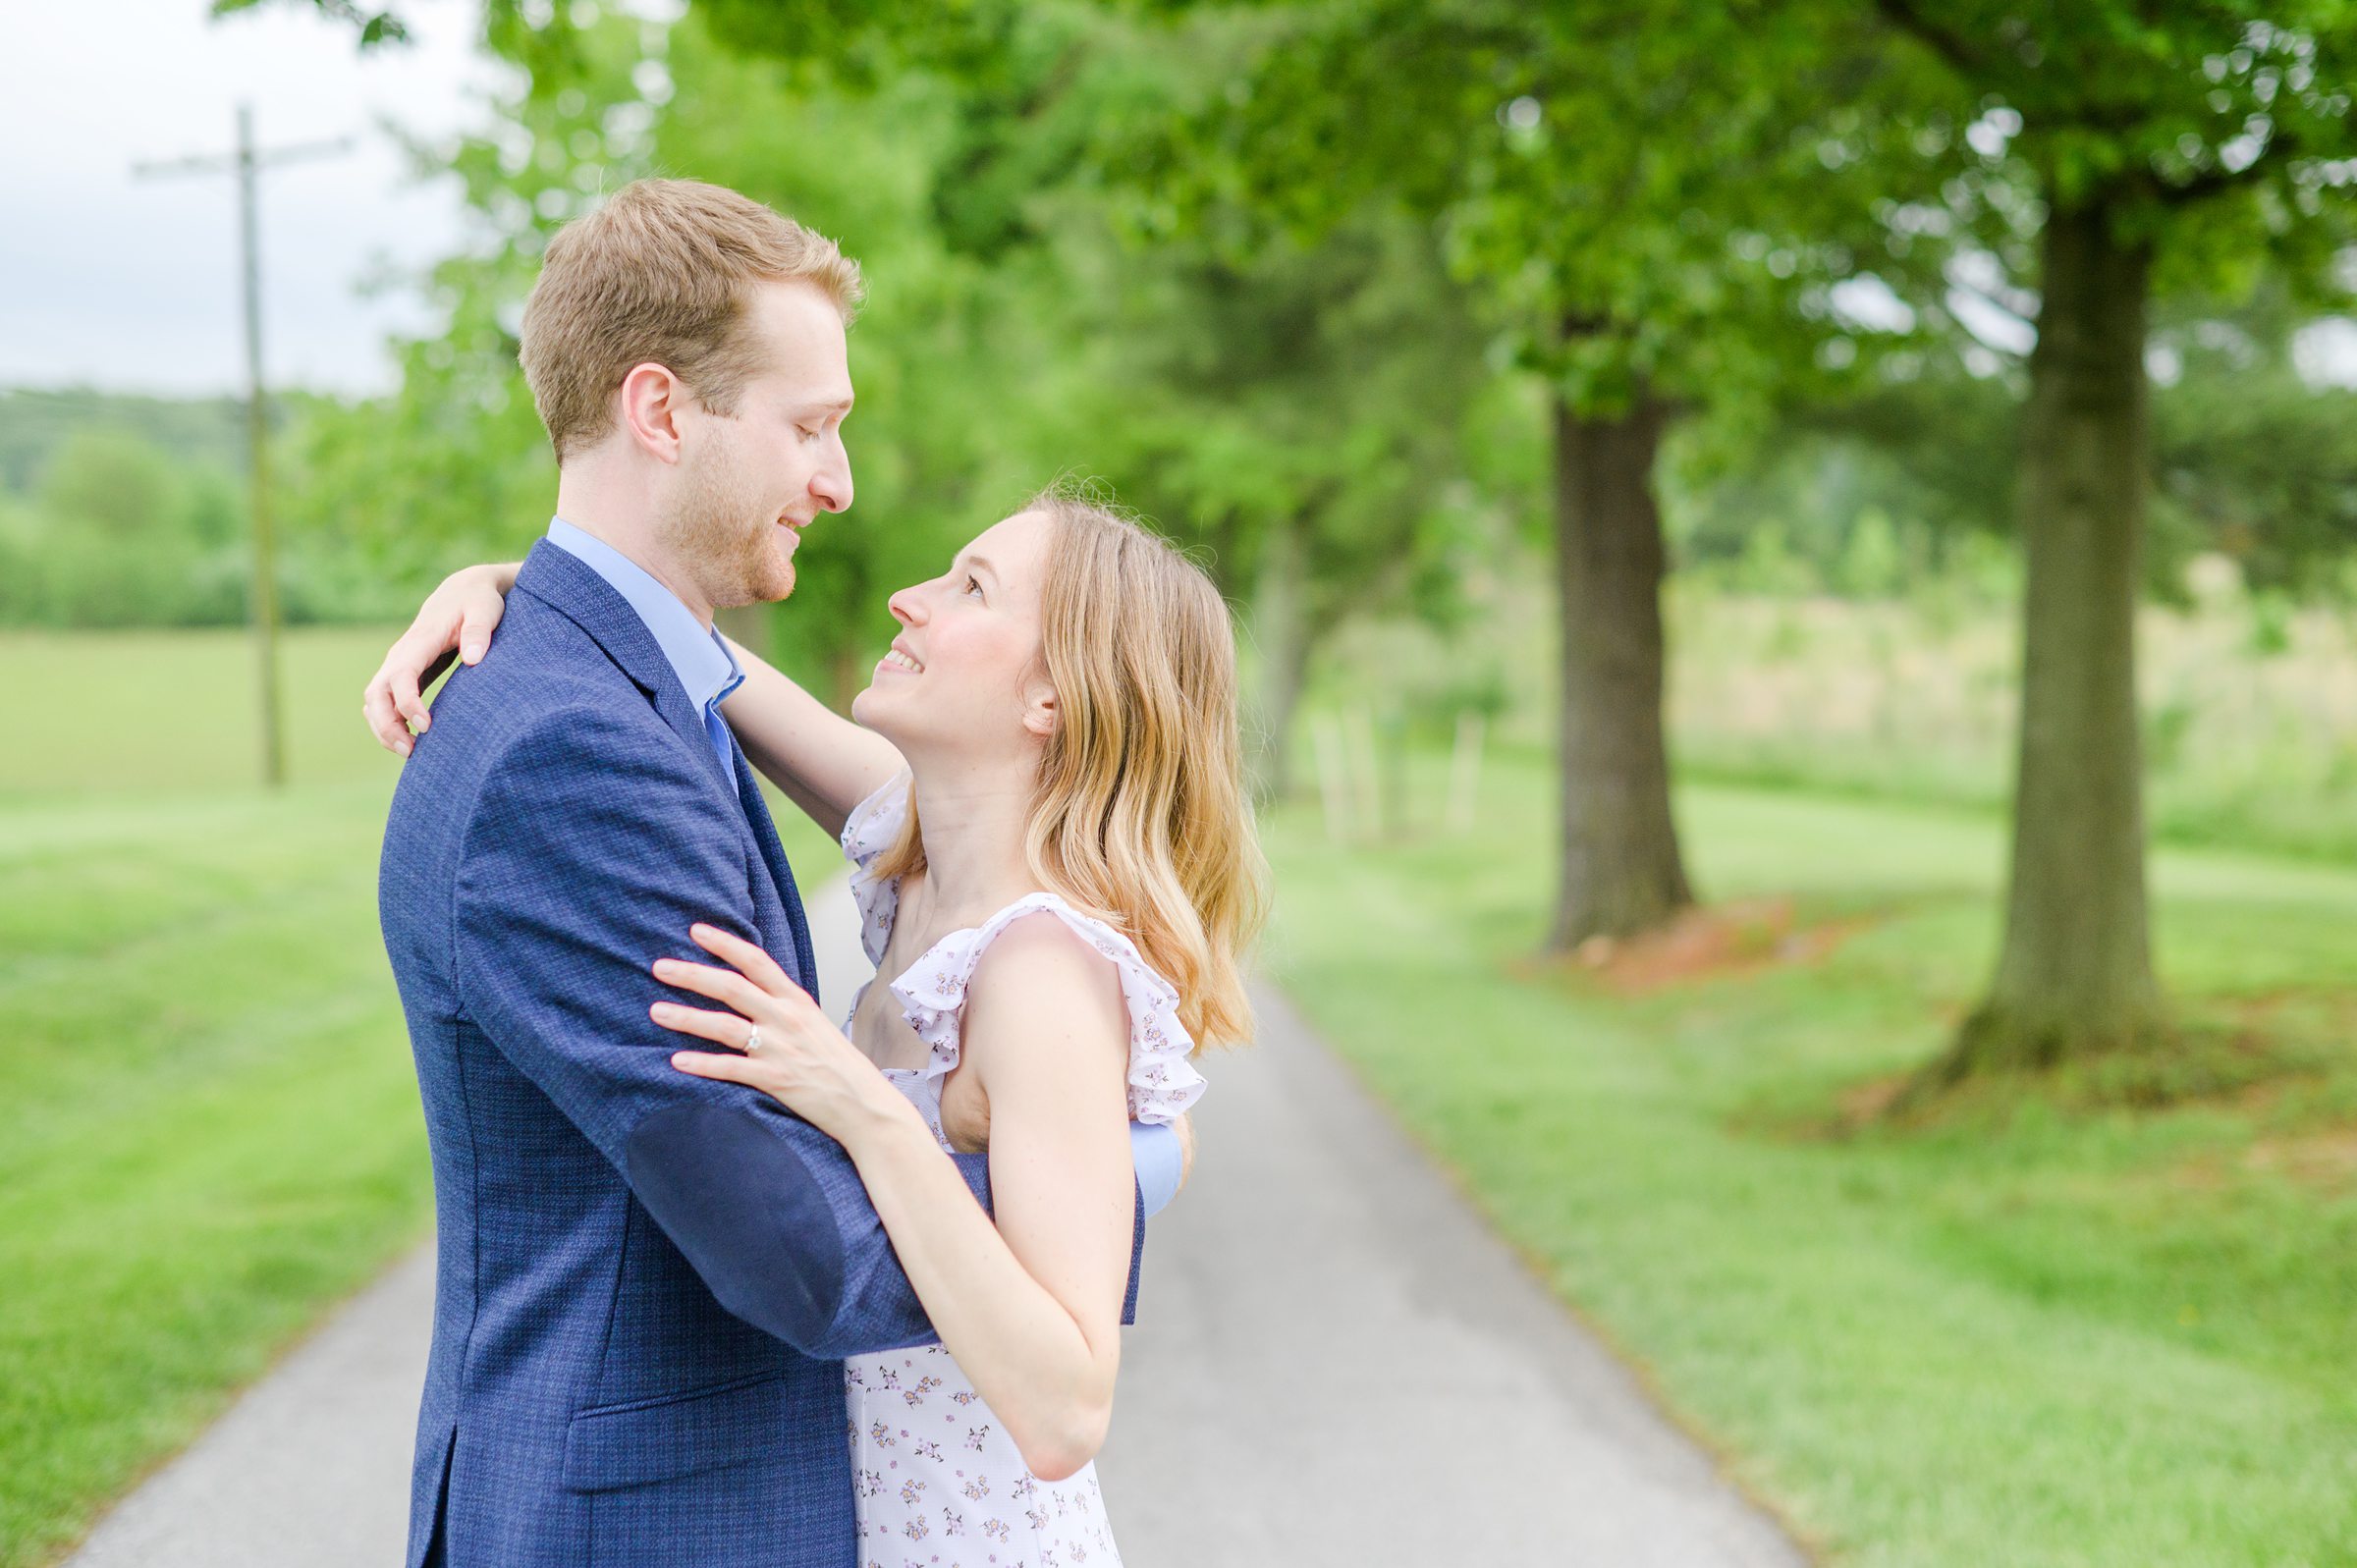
[[677, 1435]]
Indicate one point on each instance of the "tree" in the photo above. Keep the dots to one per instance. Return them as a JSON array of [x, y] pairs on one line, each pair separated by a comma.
[[2250, 459], [376, 27], [1646, 152], [120, 535], [1292, 408], [1300, 411], [1655, 201], [2123, 143], [1658, 203]]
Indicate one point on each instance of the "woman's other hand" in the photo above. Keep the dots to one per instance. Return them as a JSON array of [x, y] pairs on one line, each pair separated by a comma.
[[799, 1059], [457, 617]]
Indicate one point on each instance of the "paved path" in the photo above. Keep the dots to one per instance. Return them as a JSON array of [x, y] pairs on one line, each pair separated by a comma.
[[1335, 1364]]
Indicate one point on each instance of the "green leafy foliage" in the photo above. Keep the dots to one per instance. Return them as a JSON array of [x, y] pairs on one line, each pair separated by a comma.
[[2252, 460], [117, 534], [374, 28], [1016, 329], [1644, 196]]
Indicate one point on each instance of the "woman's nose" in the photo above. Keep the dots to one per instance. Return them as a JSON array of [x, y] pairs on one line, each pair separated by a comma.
[[902, 606]]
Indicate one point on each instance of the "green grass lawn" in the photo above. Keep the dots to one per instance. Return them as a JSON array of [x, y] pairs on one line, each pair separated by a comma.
[[135, 712], [2021, 1336], [210, 1130], [2100, 1336]]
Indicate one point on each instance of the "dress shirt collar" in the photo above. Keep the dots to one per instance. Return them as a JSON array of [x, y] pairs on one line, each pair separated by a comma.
[[707, 670]]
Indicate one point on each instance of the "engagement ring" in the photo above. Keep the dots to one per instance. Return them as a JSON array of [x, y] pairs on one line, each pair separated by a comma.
[[753, 1041]]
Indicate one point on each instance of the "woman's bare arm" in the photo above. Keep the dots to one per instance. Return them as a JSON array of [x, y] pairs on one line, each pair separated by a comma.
[[824, 762], [1030, 1306], [1033, 1307]]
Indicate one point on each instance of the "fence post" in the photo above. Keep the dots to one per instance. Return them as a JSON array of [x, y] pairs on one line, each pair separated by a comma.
[[1465, 769]]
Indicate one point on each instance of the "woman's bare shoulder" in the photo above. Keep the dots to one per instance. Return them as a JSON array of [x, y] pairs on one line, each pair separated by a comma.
[[1043, 988]]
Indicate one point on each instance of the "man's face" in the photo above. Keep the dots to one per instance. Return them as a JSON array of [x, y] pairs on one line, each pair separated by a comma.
[[749, 482]]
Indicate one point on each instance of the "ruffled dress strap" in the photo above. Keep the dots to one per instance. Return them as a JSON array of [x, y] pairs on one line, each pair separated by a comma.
[[1162, 1082], [873, 826]]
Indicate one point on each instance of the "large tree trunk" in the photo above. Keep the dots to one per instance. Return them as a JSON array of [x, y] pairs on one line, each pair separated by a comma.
[[2075, 973], [1621, 871], [1282, 632]]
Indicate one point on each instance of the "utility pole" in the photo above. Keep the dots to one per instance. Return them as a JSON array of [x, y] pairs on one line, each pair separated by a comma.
[[246, 163]]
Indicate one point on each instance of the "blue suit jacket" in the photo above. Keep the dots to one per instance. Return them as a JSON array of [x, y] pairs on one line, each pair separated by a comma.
[[646, 1280]]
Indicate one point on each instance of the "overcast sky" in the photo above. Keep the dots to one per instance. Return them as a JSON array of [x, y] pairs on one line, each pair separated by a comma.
[[132, 285]]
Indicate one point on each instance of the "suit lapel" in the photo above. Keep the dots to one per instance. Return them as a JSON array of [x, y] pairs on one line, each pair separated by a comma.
[[569, 586], [781, 874]]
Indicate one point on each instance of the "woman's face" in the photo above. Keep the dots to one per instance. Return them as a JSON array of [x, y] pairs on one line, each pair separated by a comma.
[[965, 674]]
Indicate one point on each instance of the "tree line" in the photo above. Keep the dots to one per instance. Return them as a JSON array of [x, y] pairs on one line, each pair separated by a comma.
[[1290, 273]]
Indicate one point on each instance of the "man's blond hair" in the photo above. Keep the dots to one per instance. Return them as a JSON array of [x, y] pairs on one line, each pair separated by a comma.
[[662, 271]]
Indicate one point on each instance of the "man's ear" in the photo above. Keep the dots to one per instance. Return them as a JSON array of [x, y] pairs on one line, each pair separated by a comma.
[[1039, 708], [652, 399]]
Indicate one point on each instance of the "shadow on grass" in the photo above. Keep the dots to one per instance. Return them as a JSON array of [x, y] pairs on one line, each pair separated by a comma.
[[2271, 1060]]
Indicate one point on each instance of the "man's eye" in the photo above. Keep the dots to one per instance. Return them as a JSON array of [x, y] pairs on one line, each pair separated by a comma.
[[810, 435]]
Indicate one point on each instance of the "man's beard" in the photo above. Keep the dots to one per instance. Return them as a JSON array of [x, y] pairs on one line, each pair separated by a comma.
[[717, 532]]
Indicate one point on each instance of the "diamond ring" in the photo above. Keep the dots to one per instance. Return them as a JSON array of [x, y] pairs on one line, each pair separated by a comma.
[[753, 1041]]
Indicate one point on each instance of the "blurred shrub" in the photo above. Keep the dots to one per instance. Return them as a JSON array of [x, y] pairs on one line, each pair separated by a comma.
[[117, 531], [115, 535]]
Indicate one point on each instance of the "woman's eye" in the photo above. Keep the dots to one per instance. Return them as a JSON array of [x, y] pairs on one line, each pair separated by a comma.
[[971, 586]]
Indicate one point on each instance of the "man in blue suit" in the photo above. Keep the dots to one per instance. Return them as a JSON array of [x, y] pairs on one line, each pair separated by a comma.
[[647, 1279]]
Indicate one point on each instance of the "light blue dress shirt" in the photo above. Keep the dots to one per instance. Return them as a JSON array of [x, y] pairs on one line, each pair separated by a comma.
[[708, 672]]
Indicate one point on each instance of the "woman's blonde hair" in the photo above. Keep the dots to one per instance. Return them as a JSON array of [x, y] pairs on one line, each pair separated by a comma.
[[1139, 813]]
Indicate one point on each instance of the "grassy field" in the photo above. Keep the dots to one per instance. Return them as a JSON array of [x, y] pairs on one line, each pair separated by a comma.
[[211, 1125], [210, 1130], [2250, 715], [134, 713], [2102, 1332], [2249, 708]]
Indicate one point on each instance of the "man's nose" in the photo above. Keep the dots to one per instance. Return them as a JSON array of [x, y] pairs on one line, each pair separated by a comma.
[[831, 485]]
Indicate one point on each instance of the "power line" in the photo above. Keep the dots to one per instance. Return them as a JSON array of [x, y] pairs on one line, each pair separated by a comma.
[[247, 162]]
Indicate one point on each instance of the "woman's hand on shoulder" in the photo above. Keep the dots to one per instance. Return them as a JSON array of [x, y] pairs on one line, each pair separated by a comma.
[[458, 617], [778, 1042]]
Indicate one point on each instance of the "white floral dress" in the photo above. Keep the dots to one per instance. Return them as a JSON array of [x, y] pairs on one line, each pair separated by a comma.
[[940, 1484]]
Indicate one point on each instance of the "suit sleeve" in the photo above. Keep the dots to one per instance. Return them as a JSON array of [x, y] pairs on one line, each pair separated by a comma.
[[591, 850]]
